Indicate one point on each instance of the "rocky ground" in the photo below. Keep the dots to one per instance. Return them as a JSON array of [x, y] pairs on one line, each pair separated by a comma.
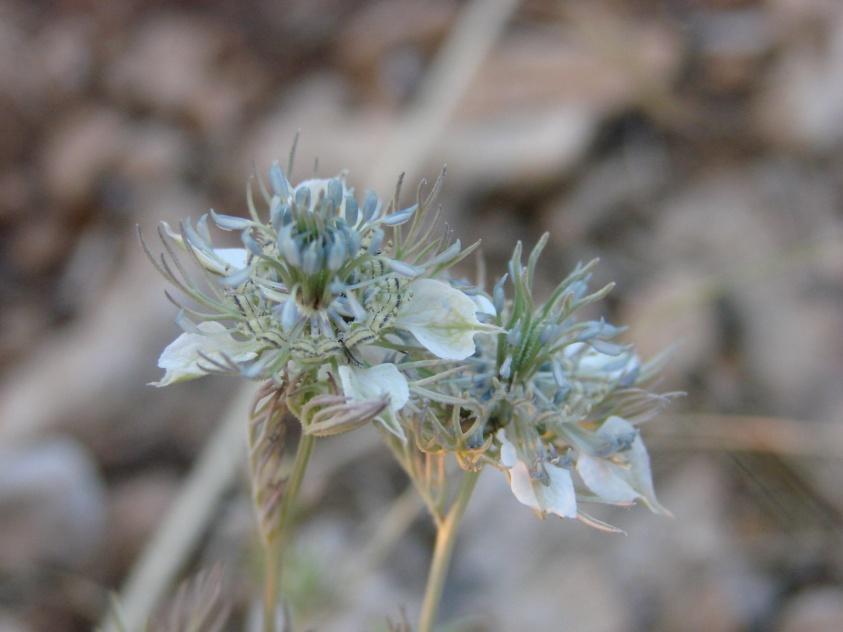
[[696, 147]]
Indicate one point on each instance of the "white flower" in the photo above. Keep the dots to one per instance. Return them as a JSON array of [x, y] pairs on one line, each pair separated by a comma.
[[557, 497], [181, 358], [381, 380], [622, 482], [443, 319]]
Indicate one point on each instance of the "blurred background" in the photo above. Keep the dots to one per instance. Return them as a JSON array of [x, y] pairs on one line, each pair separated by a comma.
[[695, 146]]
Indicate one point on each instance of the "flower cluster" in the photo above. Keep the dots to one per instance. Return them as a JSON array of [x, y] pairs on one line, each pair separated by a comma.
[[552, 401], [347, 307], [327, 296]]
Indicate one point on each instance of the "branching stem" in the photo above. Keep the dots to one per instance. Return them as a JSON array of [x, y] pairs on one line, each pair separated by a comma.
[[446, 535]]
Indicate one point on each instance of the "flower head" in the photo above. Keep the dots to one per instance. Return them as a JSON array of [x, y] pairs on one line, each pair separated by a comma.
[[323, 280], [555, 400]]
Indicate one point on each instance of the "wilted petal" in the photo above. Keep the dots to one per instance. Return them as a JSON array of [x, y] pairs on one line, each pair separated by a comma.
[[182, 357], [443, 319]]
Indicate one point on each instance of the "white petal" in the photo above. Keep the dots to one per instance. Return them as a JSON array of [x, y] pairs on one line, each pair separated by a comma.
[[509, 457], [319, 186], [522, 486], [221, 261], [213, 262], [234, 257], [519, 476], [596, 363], [641, 476], [180, 359], [615, 426], [604, 479], [483, 305], [375, 382], [559, 496], [442, 318], [638, 475], [573, 349], [316, 186]]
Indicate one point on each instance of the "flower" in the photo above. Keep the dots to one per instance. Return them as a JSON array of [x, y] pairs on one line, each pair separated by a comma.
[[320, 278], [182, 358], [323, 285], [554, 400]]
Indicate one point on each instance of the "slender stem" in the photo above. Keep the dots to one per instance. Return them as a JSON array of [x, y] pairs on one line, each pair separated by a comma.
[[445, 539], [270, 584], [275, 548]]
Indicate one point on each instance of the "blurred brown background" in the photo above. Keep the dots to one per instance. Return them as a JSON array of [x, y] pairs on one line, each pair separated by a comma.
[[696, 146]]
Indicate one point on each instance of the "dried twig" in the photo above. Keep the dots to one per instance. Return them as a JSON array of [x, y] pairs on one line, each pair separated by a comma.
[[267, 432], [199, 605]]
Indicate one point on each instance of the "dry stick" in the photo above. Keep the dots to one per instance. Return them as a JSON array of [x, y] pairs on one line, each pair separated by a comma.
[[188, 517]]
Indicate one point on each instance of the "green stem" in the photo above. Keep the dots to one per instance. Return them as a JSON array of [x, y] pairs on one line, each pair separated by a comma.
[[274, 549], [446, 536]]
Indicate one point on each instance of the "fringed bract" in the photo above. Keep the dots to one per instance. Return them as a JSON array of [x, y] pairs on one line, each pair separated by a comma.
[[267, 434]]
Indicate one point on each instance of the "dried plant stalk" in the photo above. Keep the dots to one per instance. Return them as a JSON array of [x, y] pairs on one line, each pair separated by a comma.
[[267, 433], [401, 625], [199, 605]]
